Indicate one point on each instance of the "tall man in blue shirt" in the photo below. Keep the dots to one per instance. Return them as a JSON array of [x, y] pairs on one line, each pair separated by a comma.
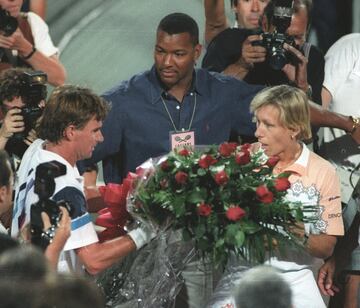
[[171, 97]]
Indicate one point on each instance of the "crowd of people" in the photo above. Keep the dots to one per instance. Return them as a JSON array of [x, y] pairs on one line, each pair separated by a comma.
[[290, 89]]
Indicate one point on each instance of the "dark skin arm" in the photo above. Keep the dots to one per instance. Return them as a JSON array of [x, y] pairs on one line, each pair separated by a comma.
[[339, 259], [325, 118]]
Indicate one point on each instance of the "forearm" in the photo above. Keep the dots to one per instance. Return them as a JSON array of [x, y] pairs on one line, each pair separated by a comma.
[[346, 244], [321, 246], [236, 70], [325, 118], [3, 141], [50, 65], [99, 256], [215, 18], [52, 253]]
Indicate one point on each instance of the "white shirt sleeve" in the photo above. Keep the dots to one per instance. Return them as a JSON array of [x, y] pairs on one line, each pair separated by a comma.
[[40, 32]]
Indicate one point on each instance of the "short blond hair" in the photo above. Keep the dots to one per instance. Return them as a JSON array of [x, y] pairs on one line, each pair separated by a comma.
[[293, 106]]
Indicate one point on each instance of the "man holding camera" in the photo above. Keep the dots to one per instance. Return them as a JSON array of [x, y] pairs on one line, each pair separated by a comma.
[[22, 98], [246, 55], [70, 130], [25, 41]]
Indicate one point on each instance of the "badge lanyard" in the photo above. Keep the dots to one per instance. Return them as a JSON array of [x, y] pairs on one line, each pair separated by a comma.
[[183, 138]]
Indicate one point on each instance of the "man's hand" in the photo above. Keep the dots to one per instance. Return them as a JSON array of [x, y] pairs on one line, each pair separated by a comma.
[[31, 137], [252, 54], [297, 73], [62, 234], [143, 234], [12, 123], [326, 277]]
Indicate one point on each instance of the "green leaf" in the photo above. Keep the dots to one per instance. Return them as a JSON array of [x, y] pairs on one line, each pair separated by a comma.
[[186, 234], [239, 238], [250, 227], [197, 196], [201, 172], [200, 230]]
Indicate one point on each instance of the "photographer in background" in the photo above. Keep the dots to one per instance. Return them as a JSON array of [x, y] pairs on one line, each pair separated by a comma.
[[52, 252], [22, 98], [25, 41], [243, 54], [234, 52], [70, 130]]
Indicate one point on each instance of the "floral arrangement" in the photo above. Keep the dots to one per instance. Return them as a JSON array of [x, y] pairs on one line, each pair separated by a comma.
[[224, 198]]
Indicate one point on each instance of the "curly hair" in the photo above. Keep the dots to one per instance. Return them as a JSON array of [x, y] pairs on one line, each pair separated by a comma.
[[69, 105], [11, 81]]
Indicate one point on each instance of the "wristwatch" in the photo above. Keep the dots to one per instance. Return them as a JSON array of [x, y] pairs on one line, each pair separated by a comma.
[[355, 124]]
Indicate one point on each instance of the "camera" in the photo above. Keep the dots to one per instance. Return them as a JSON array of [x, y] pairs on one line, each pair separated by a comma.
[[44, 187], [279, 13], [33, 91], [8, 23]]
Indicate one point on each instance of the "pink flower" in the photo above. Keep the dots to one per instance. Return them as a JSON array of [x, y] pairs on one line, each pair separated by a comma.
[[227, 148], [206, 161], [264, 194], [282, 184], [235, 213], [221, 178], [242, 158], [204, 209], [181, 177]]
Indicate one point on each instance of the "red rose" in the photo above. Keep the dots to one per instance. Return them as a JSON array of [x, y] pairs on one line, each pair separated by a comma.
[[245, 146], [165, 165], [221, 178], [264, 194], [204, 209], [206, 161], [272, 161], [282, 184], [242, 158], [184, 152], [181, 177], [235, 213], [227, 148]]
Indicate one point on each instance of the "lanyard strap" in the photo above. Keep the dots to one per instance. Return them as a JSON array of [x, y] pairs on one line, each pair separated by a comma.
[[171, 119]]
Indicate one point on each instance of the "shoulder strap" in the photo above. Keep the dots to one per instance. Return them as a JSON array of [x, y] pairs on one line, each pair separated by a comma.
[[25, 27]]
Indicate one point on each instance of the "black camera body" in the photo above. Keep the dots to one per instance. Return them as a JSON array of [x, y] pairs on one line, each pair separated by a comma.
[[276, 55], [8, 23], [44, 187], [279, 16], [33, 91]]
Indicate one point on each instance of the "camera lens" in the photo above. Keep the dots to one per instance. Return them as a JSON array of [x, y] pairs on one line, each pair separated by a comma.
[[278, 59]]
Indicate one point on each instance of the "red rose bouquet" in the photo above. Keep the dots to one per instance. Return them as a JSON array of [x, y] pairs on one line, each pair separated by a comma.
[[224, 198]]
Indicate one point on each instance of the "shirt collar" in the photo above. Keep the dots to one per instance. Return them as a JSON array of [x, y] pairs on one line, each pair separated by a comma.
[[49, 155], [197, 85], [299, 166]]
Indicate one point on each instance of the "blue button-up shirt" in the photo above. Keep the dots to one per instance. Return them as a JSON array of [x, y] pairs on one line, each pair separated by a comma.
[[138, 125]]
